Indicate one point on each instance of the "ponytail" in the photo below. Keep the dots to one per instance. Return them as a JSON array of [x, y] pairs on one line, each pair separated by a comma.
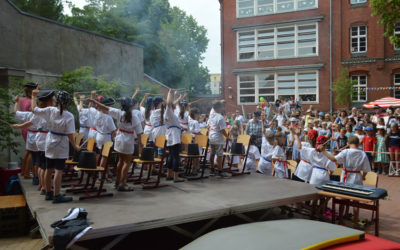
[[147, 112], [127, 115], [162, 114]]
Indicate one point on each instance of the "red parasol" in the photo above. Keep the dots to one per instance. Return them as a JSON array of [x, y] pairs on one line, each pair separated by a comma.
[[383, 103]]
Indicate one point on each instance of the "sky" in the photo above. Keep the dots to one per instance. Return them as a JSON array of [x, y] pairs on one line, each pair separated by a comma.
[[206, 13]]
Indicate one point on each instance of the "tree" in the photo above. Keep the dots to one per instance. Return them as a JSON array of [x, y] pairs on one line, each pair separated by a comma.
[[389, 12], [343, 87], [173, 41], [51, 9]]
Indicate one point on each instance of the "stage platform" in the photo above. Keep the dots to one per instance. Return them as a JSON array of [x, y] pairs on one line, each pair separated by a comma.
[[172, 205]]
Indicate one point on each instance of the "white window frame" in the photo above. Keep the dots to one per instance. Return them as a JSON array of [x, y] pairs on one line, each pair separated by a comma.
[[397, 33], [396, 85], [275, 28], [275, 8], [359, 86], [276, 95], [357, 1], [358, 36]]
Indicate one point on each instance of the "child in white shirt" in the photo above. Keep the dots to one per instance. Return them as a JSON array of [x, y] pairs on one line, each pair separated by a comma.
[[267, 150], [279, 156], [252, 157]]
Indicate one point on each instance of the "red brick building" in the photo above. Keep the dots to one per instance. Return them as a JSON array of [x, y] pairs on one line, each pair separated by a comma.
[[282, 49]]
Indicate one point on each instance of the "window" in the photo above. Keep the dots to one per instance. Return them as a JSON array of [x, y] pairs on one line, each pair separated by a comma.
[[357, 1], [359, 88], [396, 86], [248, 8], [358, 39], [397, 33], [272, 86], [298, 40]]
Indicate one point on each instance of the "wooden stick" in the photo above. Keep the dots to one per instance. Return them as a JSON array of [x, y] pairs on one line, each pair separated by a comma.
[[5, 122], [197, 100], [89, 92], [83, 143]]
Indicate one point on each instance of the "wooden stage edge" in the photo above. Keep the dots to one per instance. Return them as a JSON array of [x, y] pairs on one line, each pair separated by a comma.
[[176, 204]]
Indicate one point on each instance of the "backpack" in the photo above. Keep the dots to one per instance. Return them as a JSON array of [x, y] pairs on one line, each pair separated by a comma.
[[13, 186]]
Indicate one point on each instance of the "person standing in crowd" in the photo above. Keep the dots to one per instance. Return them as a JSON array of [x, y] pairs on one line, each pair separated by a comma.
[[254, 127], [369, 145], [381, 158], [83, 114], [393, 142]]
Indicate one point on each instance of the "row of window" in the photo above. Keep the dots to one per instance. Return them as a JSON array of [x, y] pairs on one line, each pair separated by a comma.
[[299, 84], [273, 86], [248, 8], [297, 40]]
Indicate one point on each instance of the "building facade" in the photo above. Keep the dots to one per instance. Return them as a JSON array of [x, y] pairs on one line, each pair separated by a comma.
[[295, 49], [215, 84]]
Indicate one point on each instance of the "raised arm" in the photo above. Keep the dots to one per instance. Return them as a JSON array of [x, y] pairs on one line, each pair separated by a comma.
[[35, 93], [144, 99], [136, 93], [76, 99], [177, 100], [92, 96], [16, 105], [22, 125], [169, 98], [81, 99], [99, 104]]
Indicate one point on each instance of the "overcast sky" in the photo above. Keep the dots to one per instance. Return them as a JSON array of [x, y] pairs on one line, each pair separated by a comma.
[[206, 12]]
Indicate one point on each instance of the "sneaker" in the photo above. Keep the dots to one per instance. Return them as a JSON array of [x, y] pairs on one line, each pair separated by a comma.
[[169, 178], [178, 180], [49, 196], [223, 174], [212, 172], [378, 172], [397, 173], [42, 192], [61, 198], [35, 180], [383, 173]]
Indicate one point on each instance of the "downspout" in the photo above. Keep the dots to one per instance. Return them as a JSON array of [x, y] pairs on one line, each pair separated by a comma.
[[330, 59], [222, 49]]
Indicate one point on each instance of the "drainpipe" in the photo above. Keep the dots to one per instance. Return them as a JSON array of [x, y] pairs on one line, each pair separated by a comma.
[[330, 59], [222, 49]]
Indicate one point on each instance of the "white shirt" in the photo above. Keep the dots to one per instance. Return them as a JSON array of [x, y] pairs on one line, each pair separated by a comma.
[[32, 130], [216, 124], [105, 126], [57, 146], [147, 125], [139, 115], [83, 116], [279, 118], [304, 168], [125, 139], [157, 128], [91, 123], [318, 159], [277, 153], [173, 128], [194, 127], [252, 158], [353, 160], [41, 124]]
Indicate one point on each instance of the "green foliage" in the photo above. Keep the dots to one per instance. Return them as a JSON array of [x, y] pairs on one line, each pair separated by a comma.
[[51, 9], [7, 134], [173, 41], [343, 87], [389, 12]]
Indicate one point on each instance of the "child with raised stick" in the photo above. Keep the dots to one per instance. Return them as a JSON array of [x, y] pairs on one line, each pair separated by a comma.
[[146, 107], [129, 127], [173, 140], [267, 150], [61, 127], [304, 167], [157, 121], [83, 116], [319, 161], [194, 127], [354, 161], [217, 126], [279, 156]]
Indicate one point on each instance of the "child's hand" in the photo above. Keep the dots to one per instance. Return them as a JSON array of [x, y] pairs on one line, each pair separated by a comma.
[[14, 126], [16, 99], [82, 97], [36, 91], [321, 148], [75, 94], [146, 94]]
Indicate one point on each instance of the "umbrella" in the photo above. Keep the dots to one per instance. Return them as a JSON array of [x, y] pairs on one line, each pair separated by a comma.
[[383, 103]]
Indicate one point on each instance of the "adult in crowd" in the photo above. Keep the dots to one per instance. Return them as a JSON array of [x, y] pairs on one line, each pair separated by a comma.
[[254, 128]]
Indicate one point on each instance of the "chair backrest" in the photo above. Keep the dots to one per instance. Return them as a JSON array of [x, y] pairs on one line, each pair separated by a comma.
[[90, 144], [292, 170], [186, 139], [227, 132], [143, 139], [106, 149], [78, 138], [201, 140], [292, 163], [244, 139], [337, 171], [204, 131], [160, 141], [371, 179]]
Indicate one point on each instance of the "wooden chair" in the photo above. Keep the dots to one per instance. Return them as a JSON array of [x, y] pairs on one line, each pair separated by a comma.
[[336, 174], [371, 179], [204, 131], [201, 140], [148, 183], [292, 165], [69, 173], [143, 138], [245, 140], [88, 188]]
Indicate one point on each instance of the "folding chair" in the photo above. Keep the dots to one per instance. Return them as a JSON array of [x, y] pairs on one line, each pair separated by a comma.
[[148, 183], [143, 138], [201, 140], [392, 168], [245, 140], [204, 131], [371, 179], [88, 188]]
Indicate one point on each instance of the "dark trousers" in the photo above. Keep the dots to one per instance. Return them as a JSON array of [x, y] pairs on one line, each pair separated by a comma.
[[173, 158]]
